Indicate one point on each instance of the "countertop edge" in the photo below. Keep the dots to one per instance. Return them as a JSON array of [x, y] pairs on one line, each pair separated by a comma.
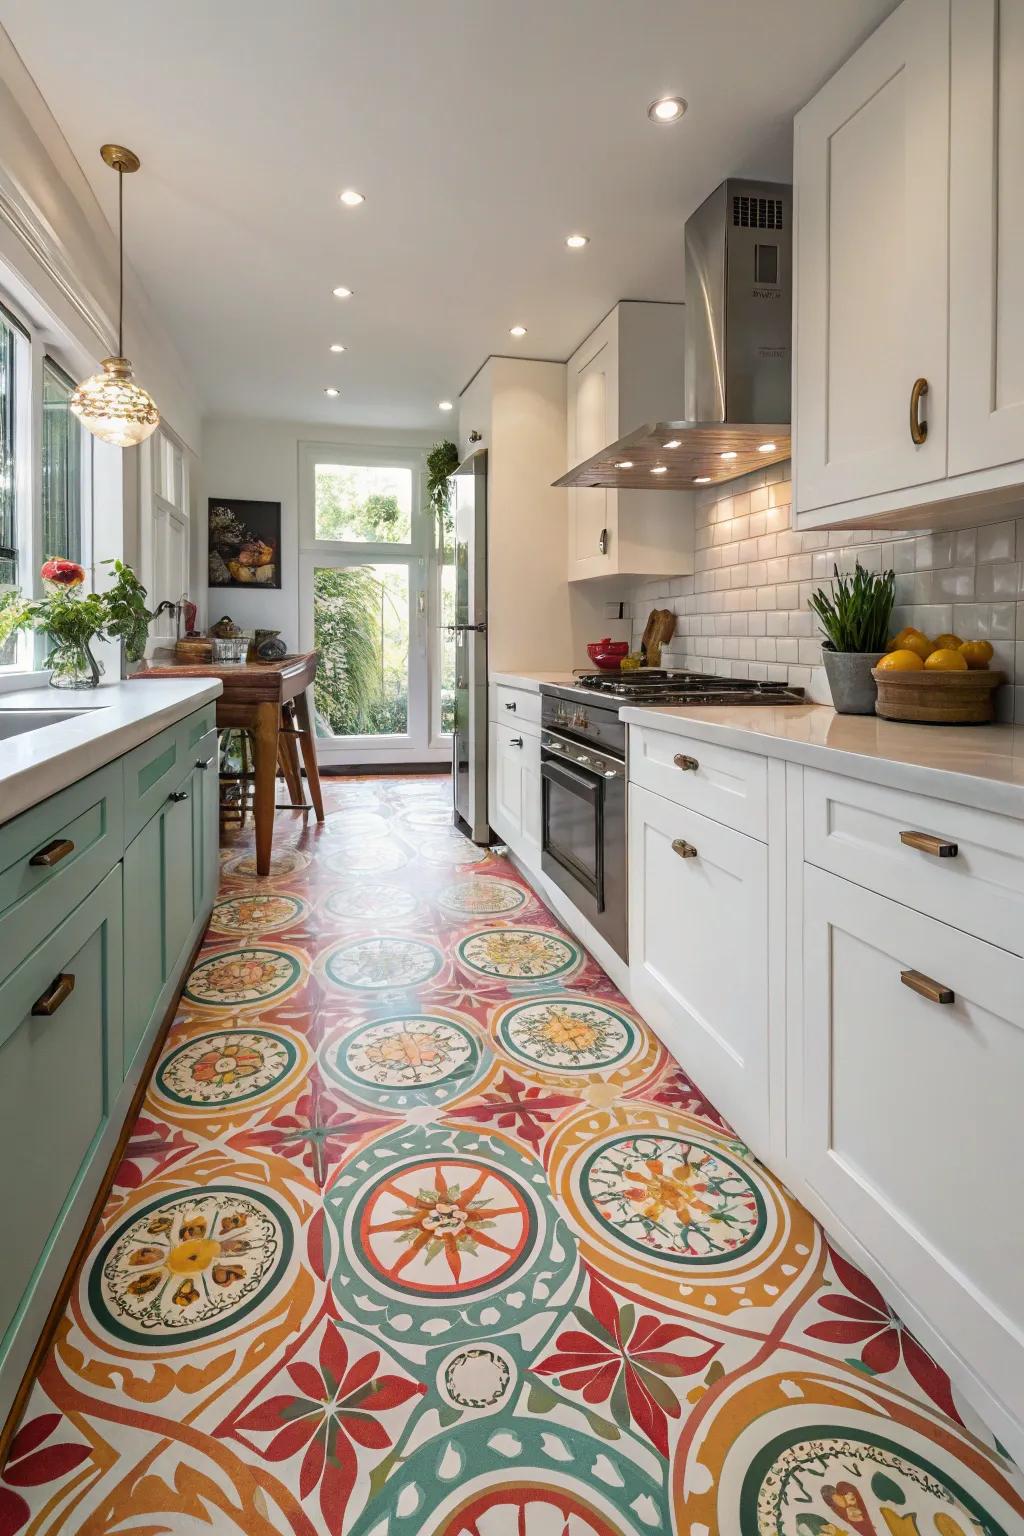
[[530, 681], [1003, 796], [64, 762]]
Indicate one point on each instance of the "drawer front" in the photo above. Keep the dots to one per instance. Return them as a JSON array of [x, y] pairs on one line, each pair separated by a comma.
[[513, 706], [52, 856], [698, 957], [854, 830], [720, 782], [908, 1121], [57, 1081], [155, 770]]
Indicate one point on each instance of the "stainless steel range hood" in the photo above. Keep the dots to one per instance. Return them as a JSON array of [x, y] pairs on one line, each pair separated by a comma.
[[739, 308]]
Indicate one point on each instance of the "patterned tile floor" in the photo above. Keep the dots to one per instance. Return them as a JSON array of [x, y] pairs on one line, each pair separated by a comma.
[[421, 1232]]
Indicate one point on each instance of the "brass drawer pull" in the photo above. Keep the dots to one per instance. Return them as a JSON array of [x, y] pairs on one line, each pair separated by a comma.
[[924, 842], [918, 423], [59, 990], [684, 849], [924, 986], [177, 795], [53, 853], [687, 764]]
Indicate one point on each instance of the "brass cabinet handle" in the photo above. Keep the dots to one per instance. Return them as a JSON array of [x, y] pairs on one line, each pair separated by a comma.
[[924, 842], [924, 986], [59, 990], [684, 849], [687, 764], [511, 707], [178, 795], [918, 423], [53, 853]]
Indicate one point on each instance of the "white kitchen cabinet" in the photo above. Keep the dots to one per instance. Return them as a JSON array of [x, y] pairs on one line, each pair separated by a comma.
[[871, 153], [909, 235], [628, 371], [986, 236], [906, 1120], [698, 953], [515, 808]]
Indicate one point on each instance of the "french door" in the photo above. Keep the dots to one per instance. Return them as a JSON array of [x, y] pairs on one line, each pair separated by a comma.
[[369, 604]]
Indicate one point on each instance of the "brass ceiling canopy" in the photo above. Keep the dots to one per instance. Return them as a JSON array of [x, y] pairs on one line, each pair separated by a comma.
[[119, 158], [682, 456]]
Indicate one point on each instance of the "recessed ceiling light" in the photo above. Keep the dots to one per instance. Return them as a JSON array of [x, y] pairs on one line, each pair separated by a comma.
[[577, 242], [342, 293], [352, 198], [624, 464], [337, 346], [331, 391], [730, 453], [675, 443], [517, 330], [702, 479], [766, 447], [667, 109], [444, 405], [659, 469]]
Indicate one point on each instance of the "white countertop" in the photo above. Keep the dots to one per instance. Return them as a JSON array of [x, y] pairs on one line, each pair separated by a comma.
[[980, 765], [531, 680], [107, 722]]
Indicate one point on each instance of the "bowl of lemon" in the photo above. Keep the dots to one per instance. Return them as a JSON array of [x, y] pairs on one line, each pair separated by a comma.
[[945, 681]]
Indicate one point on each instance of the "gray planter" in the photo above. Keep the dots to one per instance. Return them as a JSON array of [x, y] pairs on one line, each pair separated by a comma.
[[849, 678]]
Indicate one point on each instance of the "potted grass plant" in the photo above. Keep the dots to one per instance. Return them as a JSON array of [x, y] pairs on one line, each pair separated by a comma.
[[854, 614]]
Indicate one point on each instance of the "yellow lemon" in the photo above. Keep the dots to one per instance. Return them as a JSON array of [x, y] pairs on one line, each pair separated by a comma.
[[947, 642], [946, 661], [901, 661], [920, 644], [977, 654]]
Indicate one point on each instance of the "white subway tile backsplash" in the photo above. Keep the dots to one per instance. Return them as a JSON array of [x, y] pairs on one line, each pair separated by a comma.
[[744, 612]]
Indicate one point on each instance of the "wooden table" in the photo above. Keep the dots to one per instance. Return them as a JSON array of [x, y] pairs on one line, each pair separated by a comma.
[[254, 695]]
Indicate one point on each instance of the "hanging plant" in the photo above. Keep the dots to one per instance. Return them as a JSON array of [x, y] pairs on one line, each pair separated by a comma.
[[442, 462]]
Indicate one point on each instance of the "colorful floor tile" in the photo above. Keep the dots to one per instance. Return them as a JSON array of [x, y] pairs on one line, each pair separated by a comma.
[[422, 1232]]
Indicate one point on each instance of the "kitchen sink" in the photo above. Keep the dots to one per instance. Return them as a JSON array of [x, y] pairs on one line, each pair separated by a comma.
[[15, 722]]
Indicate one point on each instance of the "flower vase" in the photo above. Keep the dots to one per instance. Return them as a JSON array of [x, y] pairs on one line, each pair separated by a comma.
[[72, 665]]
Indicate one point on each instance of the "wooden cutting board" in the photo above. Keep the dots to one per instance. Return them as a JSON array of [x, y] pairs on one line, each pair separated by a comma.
[[660, 627]]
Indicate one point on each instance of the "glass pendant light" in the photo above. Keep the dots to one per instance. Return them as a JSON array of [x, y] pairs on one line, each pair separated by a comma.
[[111, 404]]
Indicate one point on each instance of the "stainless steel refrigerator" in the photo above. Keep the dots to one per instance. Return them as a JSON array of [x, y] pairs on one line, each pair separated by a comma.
[[469, 743]]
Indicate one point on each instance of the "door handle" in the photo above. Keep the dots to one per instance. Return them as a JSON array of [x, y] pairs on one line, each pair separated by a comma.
[[687, 764], [602, 543], [924, 842], [684, 849], [918, 423], [924, 986], [59, 990], [201, 764], [177, 795], [511, 707], [515, 741], [53, 853]]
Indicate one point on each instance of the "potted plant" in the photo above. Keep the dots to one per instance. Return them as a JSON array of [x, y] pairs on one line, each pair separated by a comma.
[[854, 616], [71, 620]]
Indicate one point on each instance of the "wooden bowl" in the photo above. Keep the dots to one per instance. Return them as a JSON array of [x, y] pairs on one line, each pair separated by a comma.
[[938, 698], [197, 651]]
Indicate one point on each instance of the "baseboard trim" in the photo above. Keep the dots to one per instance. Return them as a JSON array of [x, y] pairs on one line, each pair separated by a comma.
[[59, 1304]]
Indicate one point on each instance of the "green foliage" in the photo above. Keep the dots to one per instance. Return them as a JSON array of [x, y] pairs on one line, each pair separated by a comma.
[[341, 512], [855, 613], [346, 607], [127, 615], [442, 462]]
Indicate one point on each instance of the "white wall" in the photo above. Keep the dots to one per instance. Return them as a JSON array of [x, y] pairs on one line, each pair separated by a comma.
[[259, 460]]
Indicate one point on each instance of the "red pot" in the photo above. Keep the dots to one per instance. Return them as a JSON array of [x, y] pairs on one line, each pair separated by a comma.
[[607, 653]]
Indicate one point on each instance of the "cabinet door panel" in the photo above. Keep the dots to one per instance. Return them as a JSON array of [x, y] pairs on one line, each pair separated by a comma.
[[590, 431], [986, 235], [698, 951], [144, 961], [205, 825], [871, 156], [177, 869], [507, 816], [908, 1122]]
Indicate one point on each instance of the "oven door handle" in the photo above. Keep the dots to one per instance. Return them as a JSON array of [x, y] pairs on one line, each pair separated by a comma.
[[576, 783]]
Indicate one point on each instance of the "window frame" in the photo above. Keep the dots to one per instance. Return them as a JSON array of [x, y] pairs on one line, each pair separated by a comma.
[[359, 455]]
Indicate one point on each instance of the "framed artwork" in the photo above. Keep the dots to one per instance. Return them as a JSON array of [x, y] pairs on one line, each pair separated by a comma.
[[244, 542]]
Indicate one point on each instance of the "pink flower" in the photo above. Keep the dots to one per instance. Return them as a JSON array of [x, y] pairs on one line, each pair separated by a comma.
[[63, 573]]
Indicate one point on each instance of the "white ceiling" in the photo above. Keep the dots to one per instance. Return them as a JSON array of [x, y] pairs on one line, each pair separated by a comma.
[[482, 132]]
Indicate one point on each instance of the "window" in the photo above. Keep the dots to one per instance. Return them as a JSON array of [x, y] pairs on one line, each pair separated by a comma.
[[62, 468], [10, 338], [363, 503]]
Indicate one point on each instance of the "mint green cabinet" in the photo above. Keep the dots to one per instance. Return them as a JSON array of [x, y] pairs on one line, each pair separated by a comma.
[[205, 822], [60, 1056]]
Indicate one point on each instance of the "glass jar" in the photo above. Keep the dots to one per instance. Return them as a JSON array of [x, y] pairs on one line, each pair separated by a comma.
[[73, 665]]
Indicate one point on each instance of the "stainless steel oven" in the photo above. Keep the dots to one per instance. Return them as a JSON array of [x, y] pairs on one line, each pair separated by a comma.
[[583, 791]]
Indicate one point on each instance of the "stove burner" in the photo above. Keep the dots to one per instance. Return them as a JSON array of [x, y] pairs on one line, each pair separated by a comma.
[[662, 687]]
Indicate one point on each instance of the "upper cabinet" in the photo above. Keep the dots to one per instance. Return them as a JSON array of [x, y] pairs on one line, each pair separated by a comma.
[[627, 372], [908, 363]]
